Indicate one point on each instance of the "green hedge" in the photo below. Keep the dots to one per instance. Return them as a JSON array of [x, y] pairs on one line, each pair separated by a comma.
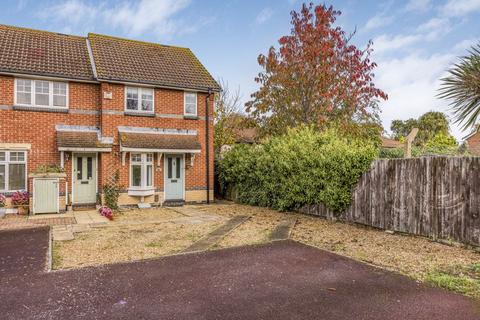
[[303, 167]]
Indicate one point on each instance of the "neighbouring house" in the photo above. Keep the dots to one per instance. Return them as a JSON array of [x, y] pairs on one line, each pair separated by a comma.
[[472, 141], [103, 108]]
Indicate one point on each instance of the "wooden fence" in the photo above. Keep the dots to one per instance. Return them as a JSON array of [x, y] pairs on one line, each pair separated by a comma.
[[436, 197]]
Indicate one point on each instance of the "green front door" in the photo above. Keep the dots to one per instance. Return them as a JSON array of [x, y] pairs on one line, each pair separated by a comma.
[[84, 178], [174, 173]]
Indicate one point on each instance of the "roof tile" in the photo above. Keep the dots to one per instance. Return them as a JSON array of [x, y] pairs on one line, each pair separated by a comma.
[[159, 141]]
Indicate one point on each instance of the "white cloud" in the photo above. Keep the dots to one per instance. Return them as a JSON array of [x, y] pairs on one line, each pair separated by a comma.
[[132, 17], [458, 8], [264, 16], [385, 43], [435, 27], [418, 5], [377, 22]]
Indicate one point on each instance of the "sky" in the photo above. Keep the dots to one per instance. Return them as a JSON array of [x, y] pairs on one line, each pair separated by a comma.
[[414, 41]]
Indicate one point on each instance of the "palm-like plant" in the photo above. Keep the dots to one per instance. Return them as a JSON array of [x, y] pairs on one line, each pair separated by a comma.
[[462, 88]]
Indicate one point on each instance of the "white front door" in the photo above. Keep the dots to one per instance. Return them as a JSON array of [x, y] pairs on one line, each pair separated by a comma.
[[84, 178], [174, 175]]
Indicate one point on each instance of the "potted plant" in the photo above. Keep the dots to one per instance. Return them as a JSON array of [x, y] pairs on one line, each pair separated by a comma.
[[20, 200], [3, 203]]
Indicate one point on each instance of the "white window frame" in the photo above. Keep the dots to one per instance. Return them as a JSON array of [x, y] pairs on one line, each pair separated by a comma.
[[140, 100], [185, 103], [143, 171], [7, 163], [50, 94]]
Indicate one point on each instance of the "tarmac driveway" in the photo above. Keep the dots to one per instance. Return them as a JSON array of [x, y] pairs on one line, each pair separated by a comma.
[[280, 280]]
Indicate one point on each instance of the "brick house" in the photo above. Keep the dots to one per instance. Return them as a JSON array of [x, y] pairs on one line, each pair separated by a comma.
[[105, 109], [472, 141]]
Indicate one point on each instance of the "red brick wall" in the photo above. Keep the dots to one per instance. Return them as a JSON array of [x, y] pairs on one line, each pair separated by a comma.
[[38, 128], [473, 144]]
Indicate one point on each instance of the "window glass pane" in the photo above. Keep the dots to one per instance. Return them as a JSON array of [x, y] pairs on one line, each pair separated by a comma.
[[16, 177], [132, 99], [17, 156], [24, 91], [147, 100], [89, 168], [59, 94], [149, 157], [41, 93], [169, 168], [191, 98], [2, 156], [190, 109], [79, 168], [136, 175], [2, 177], [136, 157], [149, 175], [178, 167]]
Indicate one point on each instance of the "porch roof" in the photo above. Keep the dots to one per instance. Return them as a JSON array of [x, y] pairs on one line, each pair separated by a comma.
[[80, 141], [159, 142]]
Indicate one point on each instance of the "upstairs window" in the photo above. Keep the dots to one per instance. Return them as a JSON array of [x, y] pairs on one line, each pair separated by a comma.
[[13, 175], [139, 99], [190, 101], [41, 93]]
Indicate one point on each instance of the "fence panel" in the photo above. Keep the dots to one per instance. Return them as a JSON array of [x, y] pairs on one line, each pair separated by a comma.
[[436, 197]]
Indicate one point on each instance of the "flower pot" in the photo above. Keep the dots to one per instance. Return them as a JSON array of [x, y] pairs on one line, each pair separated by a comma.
[[23, 210]]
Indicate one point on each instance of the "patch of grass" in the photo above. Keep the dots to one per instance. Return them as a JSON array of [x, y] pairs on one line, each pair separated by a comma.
[[155, 244], [475, 268], [56, 256], [458, 283]]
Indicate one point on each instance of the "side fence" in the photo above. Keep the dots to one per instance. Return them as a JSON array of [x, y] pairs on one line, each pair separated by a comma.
[[436, 197]]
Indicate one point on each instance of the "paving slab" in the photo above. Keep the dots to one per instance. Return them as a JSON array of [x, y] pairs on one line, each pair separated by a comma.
[[216, 235], [283, 229]]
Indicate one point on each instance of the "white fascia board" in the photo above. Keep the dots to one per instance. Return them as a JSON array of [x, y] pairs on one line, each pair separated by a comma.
[[85, 149], [140, 150]]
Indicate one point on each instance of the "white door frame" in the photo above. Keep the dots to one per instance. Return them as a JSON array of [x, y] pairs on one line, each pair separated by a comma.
[[58, 193], [182, 173], [74, 154]]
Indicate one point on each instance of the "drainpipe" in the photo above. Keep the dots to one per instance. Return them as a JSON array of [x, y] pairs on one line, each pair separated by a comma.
[[207, 140]]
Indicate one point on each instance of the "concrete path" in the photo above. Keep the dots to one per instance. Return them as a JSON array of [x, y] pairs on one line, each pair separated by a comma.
[[283, 229], [216, 235], [85, 220]]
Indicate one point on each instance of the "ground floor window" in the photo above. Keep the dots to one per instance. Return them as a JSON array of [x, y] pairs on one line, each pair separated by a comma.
[[141, 170], [13, 170]]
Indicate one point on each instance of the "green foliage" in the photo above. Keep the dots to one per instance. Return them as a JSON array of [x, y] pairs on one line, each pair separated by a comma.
[[49, 168], [111, 192], [300, 168], [429, 124], [391, 153], [462, 88]]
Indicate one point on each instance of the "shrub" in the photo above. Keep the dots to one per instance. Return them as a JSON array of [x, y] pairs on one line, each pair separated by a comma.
[[20, 198], [3, 201], [106, 212], [303, 167], [111, 191]]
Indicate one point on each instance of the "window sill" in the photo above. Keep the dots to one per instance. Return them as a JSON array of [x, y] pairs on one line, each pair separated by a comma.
[[139, 114], [190, 117], [141, 192], [41, 109]]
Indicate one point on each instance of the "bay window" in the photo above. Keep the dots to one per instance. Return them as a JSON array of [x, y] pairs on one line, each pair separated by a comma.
[[139, 99], [141, 171], [41, 93], [13, 170]]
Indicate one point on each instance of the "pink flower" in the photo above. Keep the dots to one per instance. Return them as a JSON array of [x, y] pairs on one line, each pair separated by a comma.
[[106, 212]]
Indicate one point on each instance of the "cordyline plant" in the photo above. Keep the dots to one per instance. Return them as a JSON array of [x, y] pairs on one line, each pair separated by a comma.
[[315, 77], [462, 88]]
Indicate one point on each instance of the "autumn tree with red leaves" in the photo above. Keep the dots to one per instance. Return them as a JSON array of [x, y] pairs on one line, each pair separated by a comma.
[[316, 77]]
